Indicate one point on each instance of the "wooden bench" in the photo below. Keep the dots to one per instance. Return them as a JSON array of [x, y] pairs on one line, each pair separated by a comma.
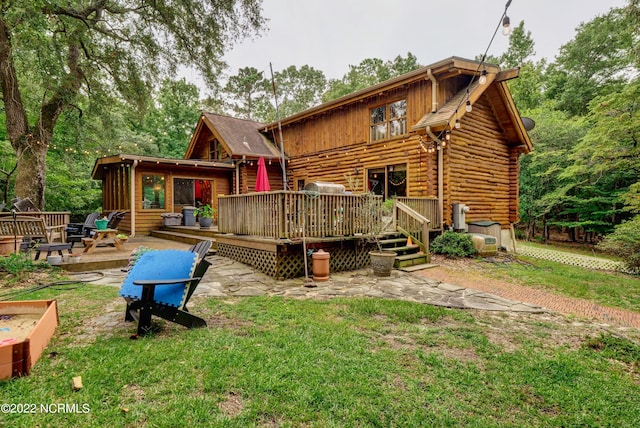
[[33, 228]]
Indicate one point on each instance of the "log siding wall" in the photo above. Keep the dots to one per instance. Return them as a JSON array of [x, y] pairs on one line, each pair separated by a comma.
[[332, 146], [480, 167]]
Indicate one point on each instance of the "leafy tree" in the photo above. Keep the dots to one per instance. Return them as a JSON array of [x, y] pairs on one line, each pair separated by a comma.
[[297, 90], [171, 123], [368, 73], [543, 196], [606, 161], [527, 90], [63, 49], [253, 97], [248, 92], [625, 243], [598, 61]]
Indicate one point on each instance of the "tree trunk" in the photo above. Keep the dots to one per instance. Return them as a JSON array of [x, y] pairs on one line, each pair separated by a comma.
[[31, 145], [31, 172]]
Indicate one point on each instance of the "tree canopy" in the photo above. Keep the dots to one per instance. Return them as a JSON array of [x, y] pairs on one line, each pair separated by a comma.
[[54, 52]]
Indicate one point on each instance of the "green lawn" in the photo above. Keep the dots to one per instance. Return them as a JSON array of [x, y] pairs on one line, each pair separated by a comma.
[[333, 363], [613, 289]]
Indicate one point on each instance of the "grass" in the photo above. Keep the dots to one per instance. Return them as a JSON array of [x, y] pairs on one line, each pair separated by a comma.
[[613, 289], [269, 361]]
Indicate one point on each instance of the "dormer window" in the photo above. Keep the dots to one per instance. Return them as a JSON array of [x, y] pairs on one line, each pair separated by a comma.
[[216, 151], [389, 121]]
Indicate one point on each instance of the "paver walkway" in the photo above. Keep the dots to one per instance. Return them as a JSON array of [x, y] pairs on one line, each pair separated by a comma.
[[553, 302], [437, 286]]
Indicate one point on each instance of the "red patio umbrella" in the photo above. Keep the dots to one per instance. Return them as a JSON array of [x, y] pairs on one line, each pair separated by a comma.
[[262, 179]]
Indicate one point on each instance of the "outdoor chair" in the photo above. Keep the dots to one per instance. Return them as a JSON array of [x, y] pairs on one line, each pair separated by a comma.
[[77, 231], [201, 248], [160, 283]]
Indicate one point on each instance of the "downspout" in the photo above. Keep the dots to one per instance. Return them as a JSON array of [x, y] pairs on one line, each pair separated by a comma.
[[132, 193], [440, 175], [434, 91], [434, 108]]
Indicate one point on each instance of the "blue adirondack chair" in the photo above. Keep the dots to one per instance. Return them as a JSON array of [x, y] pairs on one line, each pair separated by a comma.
[[160, 283]]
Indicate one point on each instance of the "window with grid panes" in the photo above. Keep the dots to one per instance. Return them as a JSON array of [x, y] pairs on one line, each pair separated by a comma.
[[389, 121]]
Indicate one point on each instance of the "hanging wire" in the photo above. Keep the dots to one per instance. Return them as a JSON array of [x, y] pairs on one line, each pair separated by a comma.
[[484, 57]]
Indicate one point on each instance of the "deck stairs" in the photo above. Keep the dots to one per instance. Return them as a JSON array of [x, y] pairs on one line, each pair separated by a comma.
[[188, 235], [409, 257]]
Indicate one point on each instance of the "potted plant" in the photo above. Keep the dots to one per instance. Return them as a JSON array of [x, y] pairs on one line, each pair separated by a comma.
[[205, 215], [122, 237], [375, 217]]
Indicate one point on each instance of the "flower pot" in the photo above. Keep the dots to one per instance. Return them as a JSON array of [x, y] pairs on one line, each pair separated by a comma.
[[382, 262], [205, 222], [102, 224], [9, 245]]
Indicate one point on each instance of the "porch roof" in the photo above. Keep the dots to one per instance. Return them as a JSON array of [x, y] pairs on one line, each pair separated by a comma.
[[103, 163]]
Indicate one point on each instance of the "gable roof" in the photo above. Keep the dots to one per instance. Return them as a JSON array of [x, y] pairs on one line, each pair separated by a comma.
[[239, 137], [446, 68]]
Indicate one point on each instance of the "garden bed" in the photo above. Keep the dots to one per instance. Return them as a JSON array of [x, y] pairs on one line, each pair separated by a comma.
[[25, 330]]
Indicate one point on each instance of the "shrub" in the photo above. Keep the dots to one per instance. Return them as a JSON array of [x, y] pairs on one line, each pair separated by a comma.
[[624, 242], [453, 244], [19, 264]]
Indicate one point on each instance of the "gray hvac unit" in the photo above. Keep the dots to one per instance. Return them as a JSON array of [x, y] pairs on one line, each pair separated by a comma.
[[459, 217]]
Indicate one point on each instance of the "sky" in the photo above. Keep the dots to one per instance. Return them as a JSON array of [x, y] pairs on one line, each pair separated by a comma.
[[330, 35]]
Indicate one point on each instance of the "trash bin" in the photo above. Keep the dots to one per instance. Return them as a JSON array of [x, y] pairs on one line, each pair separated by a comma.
[[171, 219], [187, 216]]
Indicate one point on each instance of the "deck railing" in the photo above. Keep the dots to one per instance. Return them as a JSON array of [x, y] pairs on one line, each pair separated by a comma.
[[295, 215], [427, 207], [412, 223]]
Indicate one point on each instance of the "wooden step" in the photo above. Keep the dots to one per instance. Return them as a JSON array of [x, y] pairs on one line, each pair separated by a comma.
[[190, 230], [410, 260], [393, 241], [184, 237], [403, 249], [418, 267]]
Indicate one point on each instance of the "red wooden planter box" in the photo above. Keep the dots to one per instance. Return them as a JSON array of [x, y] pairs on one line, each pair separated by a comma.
[[25, 329]]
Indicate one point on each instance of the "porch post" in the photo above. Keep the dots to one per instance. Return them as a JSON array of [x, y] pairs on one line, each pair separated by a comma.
[[132, 192]]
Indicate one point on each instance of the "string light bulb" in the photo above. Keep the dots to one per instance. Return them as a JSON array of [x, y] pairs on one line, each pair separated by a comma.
[[457, 125], [469, 107], [483, 77], [506, 26]]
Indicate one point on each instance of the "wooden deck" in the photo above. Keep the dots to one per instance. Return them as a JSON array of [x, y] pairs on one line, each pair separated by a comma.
[[109, 257]]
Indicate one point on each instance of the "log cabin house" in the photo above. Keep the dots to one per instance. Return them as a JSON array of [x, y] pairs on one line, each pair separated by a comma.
[[438, 134]]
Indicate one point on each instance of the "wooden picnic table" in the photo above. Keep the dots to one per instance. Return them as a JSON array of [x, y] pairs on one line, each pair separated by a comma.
[[106, 236]]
